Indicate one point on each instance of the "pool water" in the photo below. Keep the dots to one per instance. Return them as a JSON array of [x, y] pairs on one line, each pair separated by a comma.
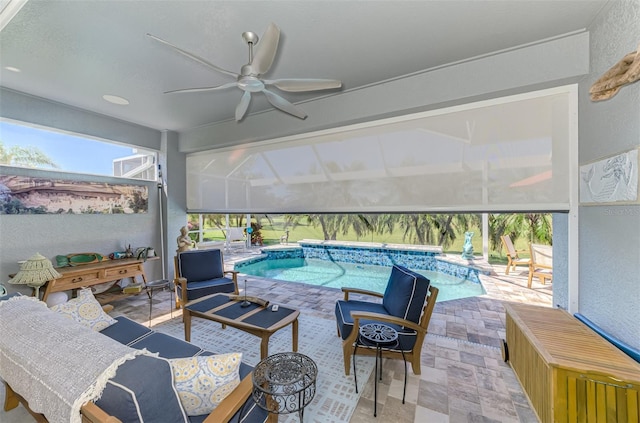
[[337, 275]]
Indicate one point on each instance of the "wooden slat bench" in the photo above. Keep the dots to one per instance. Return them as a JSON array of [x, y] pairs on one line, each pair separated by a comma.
[[568, 371]]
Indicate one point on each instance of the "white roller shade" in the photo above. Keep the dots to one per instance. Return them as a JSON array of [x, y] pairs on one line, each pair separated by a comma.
[[508, 154]]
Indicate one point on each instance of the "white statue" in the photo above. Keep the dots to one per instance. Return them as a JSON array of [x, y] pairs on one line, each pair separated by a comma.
[[185, 243]]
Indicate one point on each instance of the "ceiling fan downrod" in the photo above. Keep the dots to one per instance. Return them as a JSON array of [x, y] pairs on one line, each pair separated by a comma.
[[251, 38]]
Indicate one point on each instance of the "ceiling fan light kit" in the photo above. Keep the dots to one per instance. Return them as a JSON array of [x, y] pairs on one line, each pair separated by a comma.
[[249, 79]]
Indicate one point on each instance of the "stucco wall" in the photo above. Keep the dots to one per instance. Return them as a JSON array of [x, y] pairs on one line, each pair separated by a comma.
[[560, 261], [50, 234], [175, 204], [22, 236], [610, 234]]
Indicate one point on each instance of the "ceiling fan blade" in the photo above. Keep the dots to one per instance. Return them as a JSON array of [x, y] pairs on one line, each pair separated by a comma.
[[303, 84], [266, 50], [193, 56], [242, 107], [195, 90], [284, 105]]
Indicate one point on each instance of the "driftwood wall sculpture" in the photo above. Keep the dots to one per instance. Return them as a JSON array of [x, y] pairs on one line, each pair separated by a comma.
[[624, 72]]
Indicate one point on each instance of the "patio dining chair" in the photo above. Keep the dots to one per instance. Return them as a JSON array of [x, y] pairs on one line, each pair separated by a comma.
[[406, 306], [512, 255], [200, 273]]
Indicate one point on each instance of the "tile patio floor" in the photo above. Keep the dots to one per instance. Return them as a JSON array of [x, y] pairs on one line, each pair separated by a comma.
[[463, 376]]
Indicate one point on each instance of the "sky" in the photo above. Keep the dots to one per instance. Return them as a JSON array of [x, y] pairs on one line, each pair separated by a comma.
[[70, 153]]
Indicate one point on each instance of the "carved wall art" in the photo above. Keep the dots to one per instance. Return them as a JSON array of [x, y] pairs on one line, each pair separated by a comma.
[[611, 180]]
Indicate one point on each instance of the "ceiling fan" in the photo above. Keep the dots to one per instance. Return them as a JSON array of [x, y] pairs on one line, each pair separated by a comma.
[[249, 79]]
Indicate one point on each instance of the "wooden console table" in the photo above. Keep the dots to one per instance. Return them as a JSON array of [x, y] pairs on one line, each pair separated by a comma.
[[568, 371], [87, 275]]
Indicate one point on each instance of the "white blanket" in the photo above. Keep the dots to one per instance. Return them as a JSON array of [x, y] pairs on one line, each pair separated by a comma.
[[55, 363]]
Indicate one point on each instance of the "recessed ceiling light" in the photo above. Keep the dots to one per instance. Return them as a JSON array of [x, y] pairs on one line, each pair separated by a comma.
[[12, 69], [115, 99]]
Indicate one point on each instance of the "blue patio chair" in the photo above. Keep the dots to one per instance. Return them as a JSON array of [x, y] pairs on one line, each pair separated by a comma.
[[406, 306], [200, 273]]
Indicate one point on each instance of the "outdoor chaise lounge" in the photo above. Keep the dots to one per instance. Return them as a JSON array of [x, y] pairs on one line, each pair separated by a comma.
[[512, 255], [541, 265], [236, 238]]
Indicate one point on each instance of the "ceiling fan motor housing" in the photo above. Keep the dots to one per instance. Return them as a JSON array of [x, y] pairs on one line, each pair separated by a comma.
[[250, 83]]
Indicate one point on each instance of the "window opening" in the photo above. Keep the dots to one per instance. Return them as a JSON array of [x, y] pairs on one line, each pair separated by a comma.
[[36, 147]]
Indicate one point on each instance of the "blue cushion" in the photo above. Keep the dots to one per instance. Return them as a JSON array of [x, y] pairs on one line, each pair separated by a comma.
[[6, 297], [138, 336], [200, 289], [200, 265], [406, 294], [248, 413], [167, 346], [343, 314], [131, 397], [406, 337], [126, 331]]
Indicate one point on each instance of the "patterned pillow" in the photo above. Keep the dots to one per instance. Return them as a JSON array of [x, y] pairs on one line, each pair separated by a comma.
[[204, 381], [85, 309]]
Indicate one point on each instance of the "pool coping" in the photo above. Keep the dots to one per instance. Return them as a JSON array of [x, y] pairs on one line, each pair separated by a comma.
[[475, 268], [367, 245]]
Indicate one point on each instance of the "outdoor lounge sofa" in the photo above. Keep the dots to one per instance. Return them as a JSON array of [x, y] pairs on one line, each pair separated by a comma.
[[142, 388]]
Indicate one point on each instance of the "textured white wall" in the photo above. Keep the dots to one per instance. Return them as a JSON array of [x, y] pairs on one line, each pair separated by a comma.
[[610, 235], [175, 209], [27, 108], [560, 260], [21, 236]]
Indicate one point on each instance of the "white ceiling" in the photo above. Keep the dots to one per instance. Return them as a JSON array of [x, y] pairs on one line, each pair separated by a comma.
[[74, 52]]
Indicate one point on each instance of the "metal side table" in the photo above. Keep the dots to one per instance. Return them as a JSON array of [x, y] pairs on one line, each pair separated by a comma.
[[285, 383], [378, 336], [152, 287]]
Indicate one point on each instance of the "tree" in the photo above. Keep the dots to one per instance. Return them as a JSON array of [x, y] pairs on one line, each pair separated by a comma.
[[25, 156], [360, 223], [332, 224], [450, 225], [329, 223], [417, 228], [536, 227]]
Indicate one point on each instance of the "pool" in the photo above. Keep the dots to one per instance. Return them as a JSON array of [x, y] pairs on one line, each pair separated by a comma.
[[334, 274]]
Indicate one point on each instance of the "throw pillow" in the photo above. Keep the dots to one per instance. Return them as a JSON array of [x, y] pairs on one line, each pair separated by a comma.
[[204, 381], [86, 310]]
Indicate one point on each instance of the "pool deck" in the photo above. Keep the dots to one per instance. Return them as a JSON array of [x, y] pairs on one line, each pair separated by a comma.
[[463, 376]]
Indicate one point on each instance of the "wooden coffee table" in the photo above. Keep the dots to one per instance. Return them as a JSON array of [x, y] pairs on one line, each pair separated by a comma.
[[254, 319]]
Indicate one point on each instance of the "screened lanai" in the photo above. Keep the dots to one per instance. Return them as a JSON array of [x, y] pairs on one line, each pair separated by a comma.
[[507, 154]]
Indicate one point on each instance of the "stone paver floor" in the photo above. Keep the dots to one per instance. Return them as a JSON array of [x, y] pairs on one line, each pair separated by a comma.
[[463, 376]]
